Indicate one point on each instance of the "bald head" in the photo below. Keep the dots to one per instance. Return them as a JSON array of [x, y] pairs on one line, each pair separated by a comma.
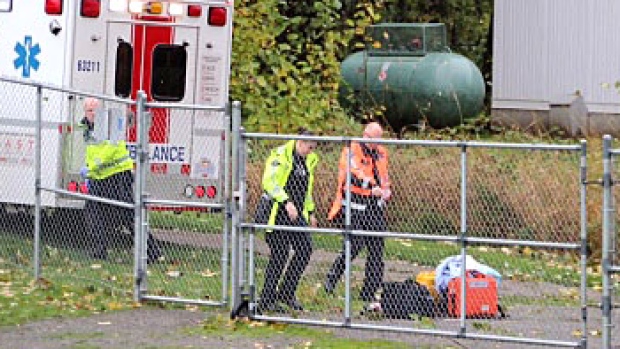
[[90, 106], [373, 130], [91, 103]]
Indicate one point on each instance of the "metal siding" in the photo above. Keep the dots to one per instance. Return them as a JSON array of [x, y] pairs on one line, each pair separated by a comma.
[[519, 72], [546, 50], [604, 57], [568, 49]]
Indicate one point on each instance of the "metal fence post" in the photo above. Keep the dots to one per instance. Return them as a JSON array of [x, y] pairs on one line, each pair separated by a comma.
[[141, 156], [236, 126], [347, 242], [608, 213], [583, 164], [227, 204], [244, 244], [37, 187], [463, 236]]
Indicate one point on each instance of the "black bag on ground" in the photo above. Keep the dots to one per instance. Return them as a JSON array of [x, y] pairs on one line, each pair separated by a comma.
[[402, 300]]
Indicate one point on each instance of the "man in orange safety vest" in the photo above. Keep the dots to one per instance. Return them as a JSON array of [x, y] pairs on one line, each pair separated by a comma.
[[370, 191]]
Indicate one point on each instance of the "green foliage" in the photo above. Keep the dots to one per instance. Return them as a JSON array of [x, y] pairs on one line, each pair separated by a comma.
[[286, 55], [286, 64]]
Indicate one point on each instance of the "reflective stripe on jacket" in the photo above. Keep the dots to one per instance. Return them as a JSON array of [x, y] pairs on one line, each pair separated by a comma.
[[362, 174], [278, 167], [105, 159]]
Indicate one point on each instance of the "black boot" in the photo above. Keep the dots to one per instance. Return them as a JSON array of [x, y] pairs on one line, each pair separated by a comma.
[[153, 250]]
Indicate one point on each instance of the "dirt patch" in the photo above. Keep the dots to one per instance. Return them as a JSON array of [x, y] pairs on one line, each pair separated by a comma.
[[173, 328]]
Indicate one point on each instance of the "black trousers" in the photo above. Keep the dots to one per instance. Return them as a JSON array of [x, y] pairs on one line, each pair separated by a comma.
[[370, 219], [281, 244], [103, 219]]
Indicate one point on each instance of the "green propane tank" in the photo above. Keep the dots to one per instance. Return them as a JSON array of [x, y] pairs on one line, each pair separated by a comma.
[[408, 69]]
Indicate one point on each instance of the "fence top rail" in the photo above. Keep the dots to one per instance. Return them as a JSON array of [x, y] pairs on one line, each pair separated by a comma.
[[67, 90], [424, 143], [185, 106]]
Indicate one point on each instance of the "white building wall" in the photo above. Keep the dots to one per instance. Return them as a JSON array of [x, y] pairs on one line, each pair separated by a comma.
[[569, 49], [547, 50], [520, 45], [604, 57]]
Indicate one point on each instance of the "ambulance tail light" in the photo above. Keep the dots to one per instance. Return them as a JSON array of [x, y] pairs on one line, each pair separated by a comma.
[[200, 191], [194, 10], [84, 188], [72, 186], [217, 16], [53, 7], [211, 192], [91, 8]]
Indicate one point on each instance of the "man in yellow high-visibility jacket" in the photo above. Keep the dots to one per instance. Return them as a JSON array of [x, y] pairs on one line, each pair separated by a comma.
[[109, 172], [287, 199]]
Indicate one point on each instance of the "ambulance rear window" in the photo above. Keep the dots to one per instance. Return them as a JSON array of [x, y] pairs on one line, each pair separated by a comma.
[[6, 5], [124, 65], [169, 70]]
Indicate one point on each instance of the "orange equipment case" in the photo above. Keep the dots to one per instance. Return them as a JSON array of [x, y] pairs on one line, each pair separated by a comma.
[[481, 296]]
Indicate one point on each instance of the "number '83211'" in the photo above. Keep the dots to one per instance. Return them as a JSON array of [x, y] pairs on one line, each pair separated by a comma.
[[88, 65]]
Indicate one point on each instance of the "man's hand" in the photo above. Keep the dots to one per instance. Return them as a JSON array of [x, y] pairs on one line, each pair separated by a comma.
[[313, 222], [387, 194], [84, 172], [292, 211], [377, 191]]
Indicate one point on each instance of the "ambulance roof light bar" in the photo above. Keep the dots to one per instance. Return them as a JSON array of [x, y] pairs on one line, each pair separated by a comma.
[[194, 10], [136, 6], [53, 7], [217, 16], [175, 9], [118, 5], [154, 7], [91, 8]]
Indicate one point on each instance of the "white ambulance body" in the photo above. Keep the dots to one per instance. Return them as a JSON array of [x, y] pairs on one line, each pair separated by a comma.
[[176, 51]]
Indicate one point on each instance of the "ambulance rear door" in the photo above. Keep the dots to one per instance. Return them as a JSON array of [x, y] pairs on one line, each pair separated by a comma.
[[156, 55]]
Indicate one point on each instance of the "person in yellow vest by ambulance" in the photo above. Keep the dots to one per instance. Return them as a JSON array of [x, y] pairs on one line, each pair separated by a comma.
[[109, 175]]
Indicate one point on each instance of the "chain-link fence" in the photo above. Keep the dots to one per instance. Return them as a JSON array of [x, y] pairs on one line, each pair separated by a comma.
[[508, 219], [610, 259], [45, 224], [161, 219], [395, 262], [186, 194]]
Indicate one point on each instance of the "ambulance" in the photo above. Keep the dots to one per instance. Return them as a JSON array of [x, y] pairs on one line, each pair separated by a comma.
[[177, 51]]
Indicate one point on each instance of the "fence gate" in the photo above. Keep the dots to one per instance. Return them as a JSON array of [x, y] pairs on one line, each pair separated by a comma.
[[51, 220], [610, 245], [518, 208], [183, 175]]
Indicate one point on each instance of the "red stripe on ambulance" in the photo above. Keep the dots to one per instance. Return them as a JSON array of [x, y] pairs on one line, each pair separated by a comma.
[[145, 39]]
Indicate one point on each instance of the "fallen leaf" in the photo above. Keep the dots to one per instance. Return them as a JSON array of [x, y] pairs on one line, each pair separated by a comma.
[[173, 273]]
